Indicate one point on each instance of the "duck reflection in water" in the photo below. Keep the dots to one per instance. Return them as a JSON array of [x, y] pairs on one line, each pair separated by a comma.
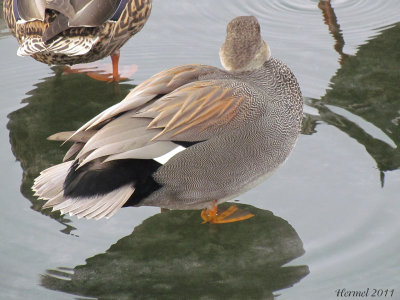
[[237, 125], [56, 103], [330, 19], [169, 256], [363, 99]]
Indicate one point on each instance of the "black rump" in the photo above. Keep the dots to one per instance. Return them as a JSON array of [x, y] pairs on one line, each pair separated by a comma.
[[96, 178]]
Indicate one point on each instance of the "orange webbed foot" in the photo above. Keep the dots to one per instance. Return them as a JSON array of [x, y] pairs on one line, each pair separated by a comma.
[[215, 215], [102, 72]]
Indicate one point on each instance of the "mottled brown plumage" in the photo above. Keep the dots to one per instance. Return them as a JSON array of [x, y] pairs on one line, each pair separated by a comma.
[[70, 32]]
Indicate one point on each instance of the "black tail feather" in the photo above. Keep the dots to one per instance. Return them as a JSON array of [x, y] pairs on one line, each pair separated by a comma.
[[97, 178]]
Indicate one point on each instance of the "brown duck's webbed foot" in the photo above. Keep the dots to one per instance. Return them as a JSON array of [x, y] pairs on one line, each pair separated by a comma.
[[215, 215], [104, 72]]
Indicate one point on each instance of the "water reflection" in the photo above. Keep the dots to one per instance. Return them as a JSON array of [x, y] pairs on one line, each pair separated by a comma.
[[330, 19], [363, 99], [171, 256], [56, 104]]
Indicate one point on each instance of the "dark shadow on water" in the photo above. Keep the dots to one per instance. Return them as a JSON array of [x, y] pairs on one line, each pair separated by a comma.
[[367, 87], [57, 103], [172, 256]]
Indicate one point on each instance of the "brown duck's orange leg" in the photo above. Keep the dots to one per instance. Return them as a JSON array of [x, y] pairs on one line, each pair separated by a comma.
[[105, 76], [104, 72], [115, 61], [231, 214]]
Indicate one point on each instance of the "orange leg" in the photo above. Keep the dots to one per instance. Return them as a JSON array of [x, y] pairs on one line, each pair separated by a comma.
[[115, 61], [232, 214], [104, 72], [106, 77]]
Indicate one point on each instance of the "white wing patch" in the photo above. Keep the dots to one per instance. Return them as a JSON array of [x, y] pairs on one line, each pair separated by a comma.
[[166, 157], [147, 152], [71, 46]]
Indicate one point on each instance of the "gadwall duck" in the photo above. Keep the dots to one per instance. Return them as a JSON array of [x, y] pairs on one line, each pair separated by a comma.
[[234, 127], [68, 32]]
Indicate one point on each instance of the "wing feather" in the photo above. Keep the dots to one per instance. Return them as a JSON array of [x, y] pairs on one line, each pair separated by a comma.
[[169, 106], [160, 84], [195, 107], [81, 137], [119, 129], [147, 152], [74, 149], [30, 10], [138, 145]]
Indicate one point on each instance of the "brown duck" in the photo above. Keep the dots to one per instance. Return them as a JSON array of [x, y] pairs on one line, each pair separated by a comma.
[[68, 32], [226, 130]]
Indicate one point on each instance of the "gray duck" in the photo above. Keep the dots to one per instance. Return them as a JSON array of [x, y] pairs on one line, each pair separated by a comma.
[[226, 130]]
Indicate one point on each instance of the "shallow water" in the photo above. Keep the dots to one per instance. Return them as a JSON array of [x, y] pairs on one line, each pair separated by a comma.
[[326, 220]]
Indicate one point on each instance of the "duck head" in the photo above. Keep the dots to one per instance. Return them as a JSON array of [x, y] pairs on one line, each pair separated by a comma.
[[244, 49]]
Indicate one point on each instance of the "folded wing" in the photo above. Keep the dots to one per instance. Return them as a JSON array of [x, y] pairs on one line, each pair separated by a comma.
[[172, 106]]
